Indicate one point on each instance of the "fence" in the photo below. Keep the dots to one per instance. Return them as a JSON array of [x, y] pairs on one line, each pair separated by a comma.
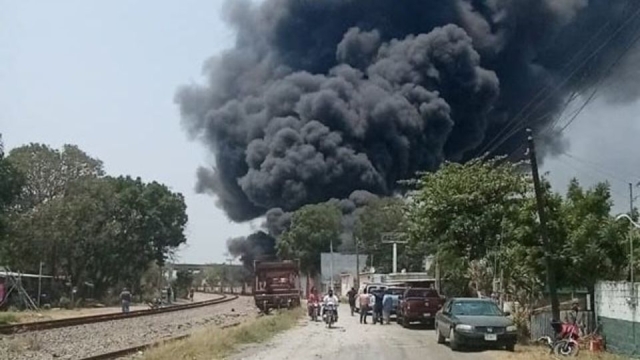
[[541, 323]]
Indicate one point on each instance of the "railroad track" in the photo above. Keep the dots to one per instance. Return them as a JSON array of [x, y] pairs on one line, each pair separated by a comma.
[[53, 324], [135, 349]]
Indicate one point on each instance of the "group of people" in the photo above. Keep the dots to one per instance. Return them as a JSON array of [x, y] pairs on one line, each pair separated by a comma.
[[379, 302]]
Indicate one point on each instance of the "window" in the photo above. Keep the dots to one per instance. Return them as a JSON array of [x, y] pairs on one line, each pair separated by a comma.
[[475, 308]]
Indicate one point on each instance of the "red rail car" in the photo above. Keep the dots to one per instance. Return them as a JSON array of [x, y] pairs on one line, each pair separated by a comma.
[[276, 284]]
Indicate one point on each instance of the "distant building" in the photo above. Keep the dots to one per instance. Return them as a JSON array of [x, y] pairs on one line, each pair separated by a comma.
[[342, 264]]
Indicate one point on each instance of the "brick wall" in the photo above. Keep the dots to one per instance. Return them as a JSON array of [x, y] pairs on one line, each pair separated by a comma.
[[619, 320]]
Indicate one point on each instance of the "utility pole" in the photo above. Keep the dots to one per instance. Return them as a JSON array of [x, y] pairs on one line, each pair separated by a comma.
[[40, 283], [393, 240], [631, 260], [551, 276], [355, 239], [331, 250]]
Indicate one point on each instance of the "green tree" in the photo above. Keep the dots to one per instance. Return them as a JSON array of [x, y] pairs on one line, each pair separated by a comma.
[[183, 282], [313, 227], [460, 211], [11, 183], [48, 172], [381, 216]]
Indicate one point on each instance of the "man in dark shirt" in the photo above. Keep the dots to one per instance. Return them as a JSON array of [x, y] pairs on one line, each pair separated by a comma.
[[125, 299], [351, 294]]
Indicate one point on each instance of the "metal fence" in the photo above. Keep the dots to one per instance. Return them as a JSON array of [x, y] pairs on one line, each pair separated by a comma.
[[540, 323]]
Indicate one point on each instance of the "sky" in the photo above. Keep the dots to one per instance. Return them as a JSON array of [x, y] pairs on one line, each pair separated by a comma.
[[102, 75]]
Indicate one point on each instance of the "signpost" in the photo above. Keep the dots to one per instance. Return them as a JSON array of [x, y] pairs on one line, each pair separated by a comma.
[[392, 238]]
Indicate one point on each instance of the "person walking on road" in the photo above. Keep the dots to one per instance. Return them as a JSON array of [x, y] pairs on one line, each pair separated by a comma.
[[364, 300], [125, 300], [351, 294], [387, 304]]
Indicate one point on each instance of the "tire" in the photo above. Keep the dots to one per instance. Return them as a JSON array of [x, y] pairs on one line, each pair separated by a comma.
[[405, 323], [511, 347], [439, 337], [454, 344], [565, 348]]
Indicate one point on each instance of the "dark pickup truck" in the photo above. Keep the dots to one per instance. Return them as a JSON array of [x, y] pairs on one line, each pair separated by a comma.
[[419, 305]]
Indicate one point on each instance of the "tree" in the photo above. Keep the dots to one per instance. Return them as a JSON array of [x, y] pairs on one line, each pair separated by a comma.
[[460, 211], [11, 183], [381, 216], [596, 243], [105, 230], [183, 282], [48, 172], [313, 228]]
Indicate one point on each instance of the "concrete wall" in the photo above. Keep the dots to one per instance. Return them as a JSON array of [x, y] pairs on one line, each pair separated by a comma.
[[619, 320]]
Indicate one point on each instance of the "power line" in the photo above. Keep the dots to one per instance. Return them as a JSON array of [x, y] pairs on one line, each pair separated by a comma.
[[520, 124], [604, 170], [589, 175]]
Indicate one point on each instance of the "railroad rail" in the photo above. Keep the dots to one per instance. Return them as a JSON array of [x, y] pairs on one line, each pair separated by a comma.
[[53, 324], [135, 349]]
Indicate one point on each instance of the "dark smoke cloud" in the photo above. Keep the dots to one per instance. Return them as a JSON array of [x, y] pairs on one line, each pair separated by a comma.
[[256, 246], [321, 98]]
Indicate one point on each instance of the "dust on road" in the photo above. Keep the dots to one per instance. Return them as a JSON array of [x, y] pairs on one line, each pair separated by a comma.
[[350, 340]]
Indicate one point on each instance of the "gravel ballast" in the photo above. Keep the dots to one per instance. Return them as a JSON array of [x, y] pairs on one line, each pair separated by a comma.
[[92, 339]]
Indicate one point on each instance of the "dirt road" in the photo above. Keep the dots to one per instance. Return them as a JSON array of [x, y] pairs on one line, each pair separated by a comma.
[[350, 341]]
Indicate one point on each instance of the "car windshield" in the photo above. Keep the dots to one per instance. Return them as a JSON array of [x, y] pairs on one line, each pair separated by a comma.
[[422, 293], [475, 308]]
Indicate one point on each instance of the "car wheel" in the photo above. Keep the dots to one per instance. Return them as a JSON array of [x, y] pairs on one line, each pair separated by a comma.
[[511, 347], [439, 337], [405, 322], [453, 342]]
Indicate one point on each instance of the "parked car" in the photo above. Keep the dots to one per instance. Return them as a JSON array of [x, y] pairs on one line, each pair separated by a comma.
[[474, 321], [419, 305]]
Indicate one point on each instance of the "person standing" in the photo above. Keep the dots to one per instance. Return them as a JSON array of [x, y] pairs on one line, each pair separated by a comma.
[[364, 300], [191, 293], [387, 304], [125, 300], [351, 294], [377, 307]]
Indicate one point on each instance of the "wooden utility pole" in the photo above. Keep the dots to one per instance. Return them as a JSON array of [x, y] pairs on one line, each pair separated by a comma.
[[551, 276], [355, 240]]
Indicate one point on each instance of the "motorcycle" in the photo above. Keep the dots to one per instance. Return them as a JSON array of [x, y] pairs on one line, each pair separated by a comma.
[[314, 311], [155, 304], [566, 342], [329, 314]]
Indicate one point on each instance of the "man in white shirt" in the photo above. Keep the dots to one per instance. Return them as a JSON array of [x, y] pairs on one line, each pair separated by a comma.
[[330, 299]]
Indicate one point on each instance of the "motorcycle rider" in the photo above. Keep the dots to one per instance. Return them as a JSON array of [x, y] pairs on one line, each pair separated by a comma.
[[330, 299]]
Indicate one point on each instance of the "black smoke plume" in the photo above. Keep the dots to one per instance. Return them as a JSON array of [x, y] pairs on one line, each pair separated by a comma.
[[257, 246], [321, 98]]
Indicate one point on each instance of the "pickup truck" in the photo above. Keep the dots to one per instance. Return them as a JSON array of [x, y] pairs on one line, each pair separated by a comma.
[[419, 305]]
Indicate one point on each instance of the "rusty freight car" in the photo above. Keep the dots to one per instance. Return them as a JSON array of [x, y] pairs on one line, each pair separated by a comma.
[[276, 284]]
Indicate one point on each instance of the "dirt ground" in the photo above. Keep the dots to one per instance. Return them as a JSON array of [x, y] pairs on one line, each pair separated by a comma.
[[56, 314], [350, 340]]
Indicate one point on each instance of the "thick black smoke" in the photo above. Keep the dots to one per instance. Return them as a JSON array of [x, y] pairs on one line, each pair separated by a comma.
[[256, 246], [321, 98]]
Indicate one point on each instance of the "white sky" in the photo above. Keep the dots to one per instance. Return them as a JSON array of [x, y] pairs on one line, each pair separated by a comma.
[[102, 75]]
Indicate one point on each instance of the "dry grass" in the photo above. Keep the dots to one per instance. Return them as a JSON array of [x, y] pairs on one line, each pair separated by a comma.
[[216, 343], [542, 353], [30, 343]]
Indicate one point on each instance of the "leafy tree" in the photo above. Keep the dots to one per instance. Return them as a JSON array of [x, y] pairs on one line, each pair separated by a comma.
[[313, 227], [183, 282], [48, 172], [11, 183], [381, 216], [459, 212]]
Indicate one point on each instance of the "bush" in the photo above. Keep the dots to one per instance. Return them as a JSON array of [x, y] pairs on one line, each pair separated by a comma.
[[8, 318], [64, 302]]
